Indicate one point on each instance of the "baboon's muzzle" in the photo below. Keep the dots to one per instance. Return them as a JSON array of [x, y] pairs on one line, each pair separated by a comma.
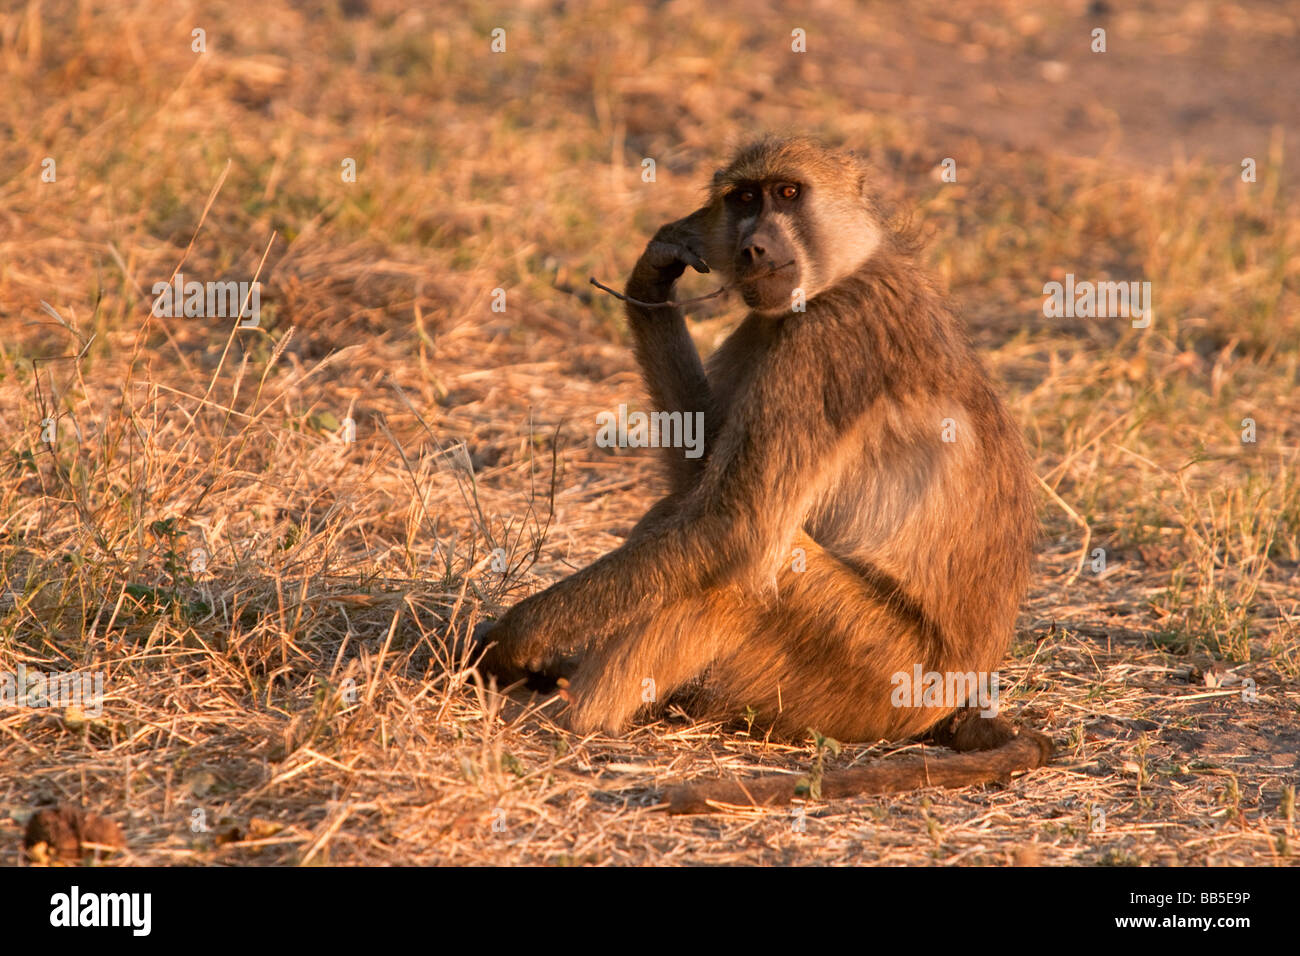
[[767, 269]]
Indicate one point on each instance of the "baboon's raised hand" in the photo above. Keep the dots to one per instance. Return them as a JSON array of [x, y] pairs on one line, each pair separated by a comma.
[[674, 247]]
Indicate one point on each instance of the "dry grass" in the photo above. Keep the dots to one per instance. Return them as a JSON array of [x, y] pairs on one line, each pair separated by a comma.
[[302, 685]]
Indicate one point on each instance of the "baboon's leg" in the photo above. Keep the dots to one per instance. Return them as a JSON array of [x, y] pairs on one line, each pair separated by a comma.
[[820, 652], [650, 659], [827, 653]]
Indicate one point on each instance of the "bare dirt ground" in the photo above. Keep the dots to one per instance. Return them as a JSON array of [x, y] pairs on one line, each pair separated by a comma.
[[265, 539]]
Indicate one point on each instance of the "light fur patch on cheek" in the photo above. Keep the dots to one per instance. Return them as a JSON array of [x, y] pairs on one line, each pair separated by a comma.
[[853, 249], [810, 279], [847, 237]]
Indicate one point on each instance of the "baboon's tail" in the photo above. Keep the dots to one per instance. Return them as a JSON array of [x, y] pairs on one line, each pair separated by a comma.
[[1025, 751]]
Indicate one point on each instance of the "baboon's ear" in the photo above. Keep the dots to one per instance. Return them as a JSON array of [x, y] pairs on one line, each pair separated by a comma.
[[860, 165], [718, 174]]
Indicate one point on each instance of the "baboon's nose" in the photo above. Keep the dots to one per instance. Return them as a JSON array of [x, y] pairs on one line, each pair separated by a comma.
[[753, 252]]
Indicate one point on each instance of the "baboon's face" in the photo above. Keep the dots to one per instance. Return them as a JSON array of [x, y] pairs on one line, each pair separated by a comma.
[[768, 257], [790, 220]]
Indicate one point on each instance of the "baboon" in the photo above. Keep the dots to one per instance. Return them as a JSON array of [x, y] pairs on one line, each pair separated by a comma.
[[863, 506]]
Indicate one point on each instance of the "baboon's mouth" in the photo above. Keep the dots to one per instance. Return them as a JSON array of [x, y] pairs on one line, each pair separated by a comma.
[[770, 288]]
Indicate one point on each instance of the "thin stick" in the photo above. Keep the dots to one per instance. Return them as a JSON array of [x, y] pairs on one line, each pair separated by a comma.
[[656, 305], [721, 290]]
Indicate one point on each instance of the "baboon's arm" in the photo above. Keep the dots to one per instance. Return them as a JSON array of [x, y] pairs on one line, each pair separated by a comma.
[[670, 363], [674, 377]]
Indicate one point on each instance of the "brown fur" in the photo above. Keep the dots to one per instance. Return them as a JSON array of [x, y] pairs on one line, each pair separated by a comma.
[[823, 433]]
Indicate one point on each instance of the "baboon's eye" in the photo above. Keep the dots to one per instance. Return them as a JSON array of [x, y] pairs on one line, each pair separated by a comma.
[[746, 196], [788, 191]]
